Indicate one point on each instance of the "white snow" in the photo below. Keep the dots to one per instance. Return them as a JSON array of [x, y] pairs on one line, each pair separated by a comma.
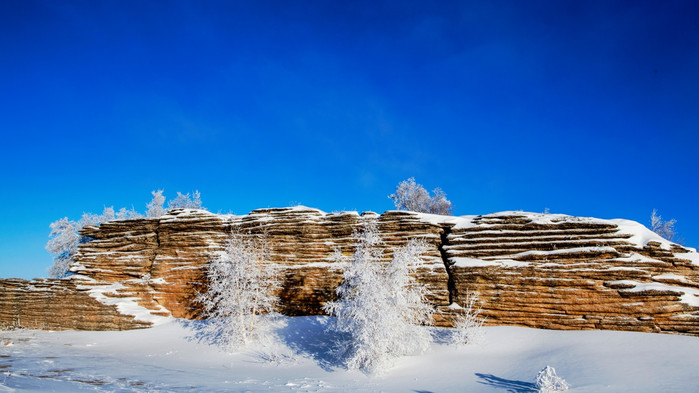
[[564, 251], [689, 295], [690, 256], [459, 222], [671, 277], [166, 359], [125, 305], [465, 262], [641, 234]]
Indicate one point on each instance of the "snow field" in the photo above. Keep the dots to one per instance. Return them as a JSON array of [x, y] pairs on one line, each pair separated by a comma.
[[165, 358]]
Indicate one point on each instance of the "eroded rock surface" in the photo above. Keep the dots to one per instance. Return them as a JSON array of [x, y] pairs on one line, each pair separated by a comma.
[[563, 272], [51, 304], [549, 271]]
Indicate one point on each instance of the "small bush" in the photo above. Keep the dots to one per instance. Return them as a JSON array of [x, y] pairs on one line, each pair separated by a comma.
[[468, 327], [548, 382]]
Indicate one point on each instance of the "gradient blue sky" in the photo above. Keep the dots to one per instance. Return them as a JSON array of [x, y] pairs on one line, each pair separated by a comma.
[[586, 108]]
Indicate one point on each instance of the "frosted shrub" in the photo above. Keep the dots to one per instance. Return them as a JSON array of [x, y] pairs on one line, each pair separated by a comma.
[[468, 326], [413, 197], [379, 306], [184, 201], [154, 208], [548, 382], [241, 283], [666, 229], [127, 214]]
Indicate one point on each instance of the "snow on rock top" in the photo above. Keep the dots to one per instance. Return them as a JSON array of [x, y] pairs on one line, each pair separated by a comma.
[[641, 235]]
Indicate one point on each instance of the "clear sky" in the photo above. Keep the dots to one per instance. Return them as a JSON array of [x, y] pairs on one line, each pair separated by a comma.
[[587, 108]]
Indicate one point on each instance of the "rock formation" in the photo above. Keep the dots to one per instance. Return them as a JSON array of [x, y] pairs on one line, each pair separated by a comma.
[[538, 270], [51, 304]]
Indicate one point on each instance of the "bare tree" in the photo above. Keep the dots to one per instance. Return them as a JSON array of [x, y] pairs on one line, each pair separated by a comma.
[[666, 229]]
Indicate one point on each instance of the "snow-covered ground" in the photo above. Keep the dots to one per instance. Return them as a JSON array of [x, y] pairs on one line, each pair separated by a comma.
[[166, 358]]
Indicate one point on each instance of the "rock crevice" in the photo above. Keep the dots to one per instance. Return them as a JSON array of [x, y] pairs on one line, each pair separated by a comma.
[[443, 243]]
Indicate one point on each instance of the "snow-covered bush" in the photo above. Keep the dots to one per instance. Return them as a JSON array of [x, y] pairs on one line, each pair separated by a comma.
[[380, 307], [414, 197], [548, 382], [468, 326], [241, 282], [154, 208], [666, 229], [184, 201]]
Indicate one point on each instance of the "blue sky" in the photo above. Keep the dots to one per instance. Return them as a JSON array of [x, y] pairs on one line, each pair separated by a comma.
[[585, 108]]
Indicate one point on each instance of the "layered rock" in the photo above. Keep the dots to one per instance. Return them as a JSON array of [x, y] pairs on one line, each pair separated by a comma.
[[166, 258], [562, 272], [51, 304], [550, 271]]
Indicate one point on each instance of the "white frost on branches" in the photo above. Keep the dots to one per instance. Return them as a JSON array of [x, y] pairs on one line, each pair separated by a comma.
[[413, 197], [127, 214], [241, 283], [548, 382], [666, 229], [63, 244], [380, 306], [468, 326], [184, 201], [154, 208]]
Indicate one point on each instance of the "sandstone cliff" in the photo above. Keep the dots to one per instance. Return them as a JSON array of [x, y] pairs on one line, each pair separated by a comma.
[[548, 271]]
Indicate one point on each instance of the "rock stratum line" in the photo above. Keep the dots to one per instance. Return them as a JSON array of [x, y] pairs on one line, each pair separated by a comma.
[[538, 270]]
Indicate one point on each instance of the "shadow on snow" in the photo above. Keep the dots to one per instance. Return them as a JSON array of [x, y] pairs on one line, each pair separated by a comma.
[[511, 386]]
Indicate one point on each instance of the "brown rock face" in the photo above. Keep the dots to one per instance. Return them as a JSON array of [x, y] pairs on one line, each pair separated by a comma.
[[52, 304], [166, 258], [549, 271], [562, 272]]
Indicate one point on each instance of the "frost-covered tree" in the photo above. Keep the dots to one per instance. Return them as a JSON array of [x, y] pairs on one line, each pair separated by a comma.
[[666, 229], [127, 214], [184, 201], [413, 197], [379, 306], [241, 284], [154, 208], [63, 244], [468, 326], [96, 219], [548, 382], [65, 239]]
